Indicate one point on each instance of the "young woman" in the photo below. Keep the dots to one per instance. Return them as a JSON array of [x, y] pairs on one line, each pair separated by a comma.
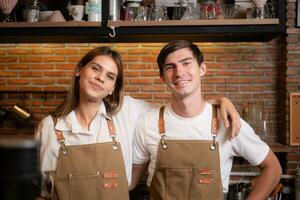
[[86, 145]]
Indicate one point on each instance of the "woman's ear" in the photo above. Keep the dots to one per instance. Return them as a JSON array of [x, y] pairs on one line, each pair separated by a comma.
[[111, 91]]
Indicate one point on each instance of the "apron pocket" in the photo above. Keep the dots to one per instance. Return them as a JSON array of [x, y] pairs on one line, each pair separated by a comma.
[[180, 183], [84, 186]]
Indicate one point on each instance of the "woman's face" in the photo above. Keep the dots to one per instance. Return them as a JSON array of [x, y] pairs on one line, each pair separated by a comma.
[[97, 78]]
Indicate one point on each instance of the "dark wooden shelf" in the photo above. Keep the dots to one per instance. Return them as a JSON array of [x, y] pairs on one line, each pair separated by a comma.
[[219, 30]]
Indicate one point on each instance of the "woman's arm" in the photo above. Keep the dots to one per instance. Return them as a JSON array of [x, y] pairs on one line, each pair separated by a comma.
[[229, 114]]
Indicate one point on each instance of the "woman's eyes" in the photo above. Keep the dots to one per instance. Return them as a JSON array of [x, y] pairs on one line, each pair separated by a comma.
[[111, 77], [95, 68]]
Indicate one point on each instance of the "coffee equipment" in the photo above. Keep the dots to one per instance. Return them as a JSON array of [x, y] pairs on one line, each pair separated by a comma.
[[19, 174]]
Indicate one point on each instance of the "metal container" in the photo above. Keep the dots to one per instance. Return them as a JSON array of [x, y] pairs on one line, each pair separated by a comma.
[[114, 10]]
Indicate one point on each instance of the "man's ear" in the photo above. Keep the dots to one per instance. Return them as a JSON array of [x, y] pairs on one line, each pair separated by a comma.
[[162, 78], [202, 69]]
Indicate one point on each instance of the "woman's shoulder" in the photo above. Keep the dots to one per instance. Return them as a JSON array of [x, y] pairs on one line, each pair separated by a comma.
[[47, 121], [136, 104]]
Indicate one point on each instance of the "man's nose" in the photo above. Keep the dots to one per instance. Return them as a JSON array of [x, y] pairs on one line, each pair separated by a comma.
[[179, 69]]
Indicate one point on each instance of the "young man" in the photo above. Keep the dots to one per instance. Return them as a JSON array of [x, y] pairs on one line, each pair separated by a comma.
[[187, 148]]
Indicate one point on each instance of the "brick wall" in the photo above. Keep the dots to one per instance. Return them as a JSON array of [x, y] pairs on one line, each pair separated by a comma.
[[258, 71], [292, 77]]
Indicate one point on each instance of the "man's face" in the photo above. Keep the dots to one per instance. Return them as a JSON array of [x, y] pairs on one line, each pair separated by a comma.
[[182, 73]]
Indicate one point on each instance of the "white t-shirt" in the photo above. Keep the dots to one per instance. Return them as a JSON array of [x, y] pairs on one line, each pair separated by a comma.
[[124, 122], [247, 144]]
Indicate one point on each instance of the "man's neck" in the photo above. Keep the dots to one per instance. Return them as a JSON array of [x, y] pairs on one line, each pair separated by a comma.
[[188, 107]]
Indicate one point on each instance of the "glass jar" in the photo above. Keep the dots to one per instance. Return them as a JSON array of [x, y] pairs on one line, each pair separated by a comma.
[[33, 11]]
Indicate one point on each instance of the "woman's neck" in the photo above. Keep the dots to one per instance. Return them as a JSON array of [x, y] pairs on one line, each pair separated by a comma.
[[86, 112]]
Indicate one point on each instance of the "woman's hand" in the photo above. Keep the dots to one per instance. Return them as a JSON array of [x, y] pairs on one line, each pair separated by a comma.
[[229, 115]]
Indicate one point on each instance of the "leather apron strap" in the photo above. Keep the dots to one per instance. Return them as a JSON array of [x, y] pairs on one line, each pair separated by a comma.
[[214, 127], [187, 169]]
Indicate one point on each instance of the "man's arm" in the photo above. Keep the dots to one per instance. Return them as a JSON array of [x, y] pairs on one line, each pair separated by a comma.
[[269, 177], [229, 114], [138, 170]]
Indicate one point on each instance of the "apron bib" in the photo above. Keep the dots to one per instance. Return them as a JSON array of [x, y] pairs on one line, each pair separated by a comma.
[[91, 171], [187, 169]]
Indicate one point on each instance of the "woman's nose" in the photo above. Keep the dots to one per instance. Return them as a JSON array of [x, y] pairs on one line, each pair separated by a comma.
[[100, 77]]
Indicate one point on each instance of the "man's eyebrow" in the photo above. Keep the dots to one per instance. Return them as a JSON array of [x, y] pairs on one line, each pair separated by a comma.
[[182, 60]]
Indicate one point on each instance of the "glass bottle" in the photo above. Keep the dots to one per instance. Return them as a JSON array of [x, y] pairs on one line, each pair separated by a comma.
[[33, 11]]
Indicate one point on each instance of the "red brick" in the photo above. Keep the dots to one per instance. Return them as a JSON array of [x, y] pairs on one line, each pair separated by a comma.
[[42, 81], [149, 58], [227, 88], [53, 59], [215, 80], [41, 51], [228, 58], [66, 51], [8, 59], [55, 88], [17, 66], [140, 81], [149, 73], [131, 73], [127, 58], [63, 81], [139, 66], [18, 81], [30, 88], [73, 59], [240, 96], [254, 57], [80, 45], [139, 51], [293, 72], [252, 88], [65, 66], [132, 88], [8, 74], [8, 88], [252, 73], [209, 50], [227, 73], [142, 96], [42, 66], [55, 73], [152, 88], [18, 51], [293, 157], [293, 79], [34, 59], [31, 74], [166, 95], [293, 63], [240, 66], [53, 102]]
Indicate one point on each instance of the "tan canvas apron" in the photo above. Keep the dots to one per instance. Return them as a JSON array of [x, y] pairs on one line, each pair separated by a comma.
[[187, 169], [92, 171]]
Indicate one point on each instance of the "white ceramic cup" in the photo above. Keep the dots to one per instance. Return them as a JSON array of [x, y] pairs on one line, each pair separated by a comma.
[[77, 12]]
